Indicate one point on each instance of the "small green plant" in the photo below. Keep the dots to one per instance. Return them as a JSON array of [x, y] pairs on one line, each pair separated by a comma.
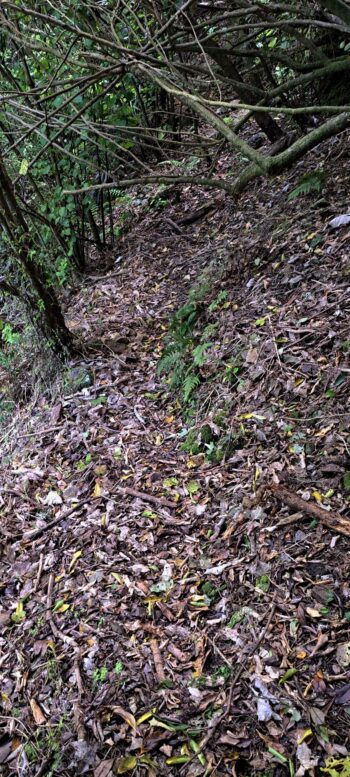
[[182, 355], [215, 304], [223, 671], [99, 675], [157, 201], [32, 752], [310, 182]]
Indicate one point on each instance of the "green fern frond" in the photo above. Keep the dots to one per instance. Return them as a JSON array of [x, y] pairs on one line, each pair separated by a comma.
[[310, 182], [170, 359], [190, 383], [200, 354]]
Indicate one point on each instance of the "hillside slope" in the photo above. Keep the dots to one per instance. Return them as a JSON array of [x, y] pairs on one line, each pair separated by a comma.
[[157, 596]]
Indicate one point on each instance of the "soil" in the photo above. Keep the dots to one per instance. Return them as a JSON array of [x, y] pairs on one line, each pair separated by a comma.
[[161, 611]]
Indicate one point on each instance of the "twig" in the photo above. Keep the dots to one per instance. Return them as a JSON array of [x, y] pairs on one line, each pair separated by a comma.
[[78, 721], [332, 520], [78, 678], [39, 573], [148, 497], [40, 433], [284, 522], [44, 768], [190, 218], [31, 535], [173, 225]]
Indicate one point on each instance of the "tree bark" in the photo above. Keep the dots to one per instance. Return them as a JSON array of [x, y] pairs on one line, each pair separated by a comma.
[[339, 8], [47, 314], [266, 123]]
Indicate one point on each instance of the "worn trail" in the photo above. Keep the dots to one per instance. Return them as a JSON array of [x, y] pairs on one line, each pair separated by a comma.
[[157, 612]]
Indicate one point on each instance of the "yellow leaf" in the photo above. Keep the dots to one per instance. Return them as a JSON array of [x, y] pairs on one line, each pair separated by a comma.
[[146, 716], [97, 489], [24, 167], [176, 760], [198, 666], [100, 470], [19, 613], [307, 733], [246, 416], [118, 578], [74, 560], [301, 654], [324, 431], [126, 715], [317, 496], [38, 715], [257, 474], [191, 464], [311, 235], [328, 494], [127, 764], [169, 419], [313, 613], [62, 608], [160, 724]]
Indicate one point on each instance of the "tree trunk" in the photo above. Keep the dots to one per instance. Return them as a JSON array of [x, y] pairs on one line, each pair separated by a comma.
[[46, 310], [246, 93]]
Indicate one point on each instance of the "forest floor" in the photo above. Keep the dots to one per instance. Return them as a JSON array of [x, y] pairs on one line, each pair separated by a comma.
[[171, 611]]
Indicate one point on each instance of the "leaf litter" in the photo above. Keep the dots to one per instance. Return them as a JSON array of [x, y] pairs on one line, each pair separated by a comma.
[[163, 612]]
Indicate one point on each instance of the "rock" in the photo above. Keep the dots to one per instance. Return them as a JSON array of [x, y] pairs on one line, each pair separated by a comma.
[[77, 378]]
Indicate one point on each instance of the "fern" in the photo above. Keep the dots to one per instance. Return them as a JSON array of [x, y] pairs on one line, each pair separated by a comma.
[[190, 383], [200, 354], [184, 320], [310, 182], [171, 358]]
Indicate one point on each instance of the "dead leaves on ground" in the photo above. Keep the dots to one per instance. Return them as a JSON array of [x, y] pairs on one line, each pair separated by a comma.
[[125, 622]]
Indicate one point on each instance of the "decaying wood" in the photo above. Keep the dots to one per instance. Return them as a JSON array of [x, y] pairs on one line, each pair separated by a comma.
[[157, 658], [332, 520]]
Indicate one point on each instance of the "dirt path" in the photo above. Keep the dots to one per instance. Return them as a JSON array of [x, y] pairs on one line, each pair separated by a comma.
[[149, 604]]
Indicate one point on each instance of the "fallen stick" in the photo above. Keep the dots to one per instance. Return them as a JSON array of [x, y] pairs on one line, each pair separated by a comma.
[[157, 500], [332, 520], [33, 534], [190, 218], [157, 658]]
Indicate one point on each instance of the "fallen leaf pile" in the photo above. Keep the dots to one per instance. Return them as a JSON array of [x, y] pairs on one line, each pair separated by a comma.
[[161, 611]]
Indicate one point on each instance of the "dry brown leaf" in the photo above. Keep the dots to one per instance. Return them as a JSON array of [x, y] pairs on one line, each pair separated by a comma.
[[38, 714], [104, 769], [126, 715]]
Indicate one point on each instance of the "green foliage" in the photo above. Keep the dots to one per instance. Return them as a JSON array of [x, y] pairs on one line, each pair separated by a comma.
[[181, 358], [99, 675], [310, 182], [190, 383], [187, 347]]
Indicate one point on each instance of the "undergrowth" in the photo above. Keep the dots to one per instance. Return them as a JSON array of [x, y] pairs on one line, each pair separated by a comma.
[[189, 340]]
